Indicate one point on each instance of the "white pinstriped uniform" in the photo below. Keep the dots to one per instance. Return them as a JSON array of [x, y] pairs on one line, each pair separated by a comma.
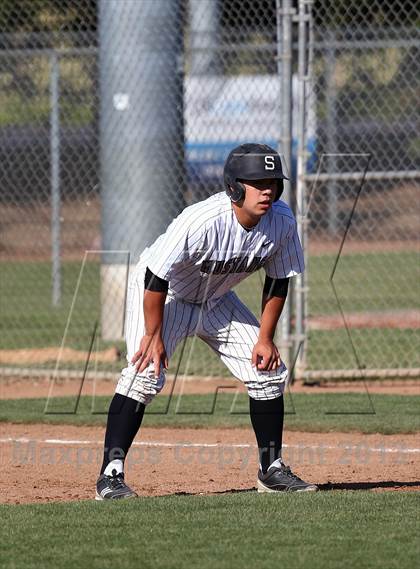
[[203, 254]]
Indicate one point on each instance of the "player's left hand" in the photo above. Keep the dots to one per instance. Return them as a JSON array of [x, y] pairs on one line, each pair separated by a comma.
[[265, 356]]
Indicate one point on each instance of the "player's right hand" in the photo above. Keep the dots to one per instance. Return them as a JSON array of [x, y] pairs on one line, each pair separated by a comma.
[[151, 350], [265, 356]]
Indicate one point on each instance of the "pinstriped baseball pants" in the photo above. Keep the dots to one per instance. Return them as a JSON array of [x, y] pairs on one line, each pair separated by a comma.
[[226, 325]]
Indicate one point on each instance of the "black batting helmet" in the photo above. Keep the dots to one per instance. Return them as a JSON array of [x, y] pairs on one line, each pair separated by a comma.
[[251, 161]]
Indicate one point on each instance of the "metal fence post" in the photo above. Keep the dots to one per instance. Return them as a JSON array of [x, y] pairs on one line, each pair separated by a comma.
[[204, 31], [285, 12], [331, 119], [301, 280], [55, 178]]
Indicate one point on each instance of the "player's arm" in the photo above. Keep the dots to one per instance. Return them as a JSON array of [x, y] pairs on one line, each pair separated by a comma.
[[151, 347], [265, 355]]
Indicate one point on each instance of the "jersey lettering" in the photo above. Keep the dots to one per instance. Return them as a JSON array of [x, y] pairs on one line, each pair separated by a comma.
[[205, 241], [234, 265]]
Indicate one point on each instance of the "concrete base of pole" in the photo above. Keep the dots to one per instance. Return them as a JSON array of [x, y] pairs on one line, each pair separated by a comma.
[[114, 280]]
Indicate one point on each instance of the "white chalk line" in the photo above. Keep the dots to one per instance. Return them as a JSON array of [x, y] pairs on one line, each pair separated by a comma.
[[360, 446]]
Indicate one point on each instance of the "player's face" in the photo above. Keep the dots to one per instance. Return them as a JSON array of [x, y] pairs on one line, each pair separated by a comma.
[[259, 196]]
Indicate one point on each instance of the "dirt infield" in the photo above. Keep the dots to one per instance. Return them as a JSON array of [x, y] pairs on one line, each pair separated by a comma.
[[16, 388], [44, 463], [32, 356]]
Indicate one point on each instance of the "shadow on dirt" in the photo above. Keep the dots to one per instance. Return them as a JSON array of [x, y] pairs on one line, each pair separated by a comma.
[[396, 484]]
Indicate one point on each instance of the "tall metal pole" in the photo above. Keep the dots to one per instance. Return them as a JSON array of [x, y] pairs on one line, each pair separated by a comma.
[[55, 179], [141, 136], [285, 13]]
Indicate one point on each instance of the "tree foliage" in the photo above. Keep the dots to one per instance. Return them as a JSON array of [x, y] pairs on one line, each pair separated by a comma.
[[34, 16]]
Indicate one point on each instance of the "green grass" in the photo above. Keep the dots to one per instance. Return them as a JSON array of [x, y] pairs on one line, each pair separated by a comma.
[[18, 110], [373, 348], [28, 318], [363, 283], [328, 530], [318, 412]]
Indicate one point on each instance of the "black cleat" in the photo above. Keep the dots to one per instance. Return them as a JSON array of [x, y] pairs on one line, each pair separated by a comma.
[[113, 487], [281, 479]]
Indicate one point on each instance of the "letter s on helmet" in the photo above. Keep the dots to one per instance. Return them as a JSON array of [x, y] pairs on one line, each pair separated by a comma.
[[251, 161]]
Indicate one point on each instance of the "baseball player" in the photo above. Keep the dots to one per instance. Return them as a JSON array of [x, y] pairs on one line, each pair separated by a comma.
[[182, 286]]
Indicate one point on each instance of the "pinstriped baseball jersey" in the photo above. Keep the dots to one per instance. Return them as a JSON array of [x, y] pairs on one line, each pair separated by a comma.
[[203, 254], [205, 251]]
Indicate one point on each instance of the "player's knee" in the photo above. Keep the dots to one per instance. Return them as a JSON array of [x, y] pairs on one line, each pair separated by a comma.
[[141, 387], [268, 385], [269, 392]]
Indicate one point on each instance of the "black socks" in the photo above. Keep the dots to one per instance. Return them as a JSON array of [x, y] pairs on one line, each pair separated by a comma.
[[124, 419], [125, 416], [267, 421]]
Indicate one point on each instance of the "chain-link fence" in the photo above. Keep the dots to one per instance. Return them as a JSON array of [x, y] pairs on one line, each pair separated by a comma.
[[115, 114], [362, 203]]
